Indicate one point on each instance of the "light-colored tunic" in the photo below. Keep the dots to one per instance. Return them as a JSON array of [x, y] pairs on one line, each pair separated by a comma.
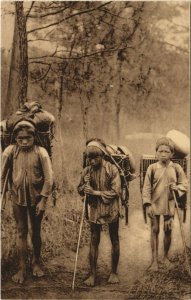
[[31, 174], [104, 208], [158, 193]]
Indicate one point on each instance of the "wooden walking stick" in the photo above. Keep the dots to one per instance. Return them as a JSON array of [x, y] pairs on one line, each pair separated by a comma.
[[78, 245], [182, 233]]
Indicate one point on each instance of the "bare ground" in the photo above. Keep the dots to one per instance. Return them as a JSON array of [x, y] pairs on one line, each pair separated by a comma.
[[135, 281]]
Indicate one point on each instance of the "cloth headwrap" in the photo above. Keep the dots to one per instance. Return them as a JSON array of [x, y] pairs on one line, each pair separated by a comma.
[[98, 145], [24, 124]]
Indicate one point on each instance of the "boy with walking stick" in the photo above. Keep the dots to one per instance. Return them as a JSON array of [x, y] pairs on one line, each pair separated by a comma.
[[101, 184], [30, 180], [163, 180]]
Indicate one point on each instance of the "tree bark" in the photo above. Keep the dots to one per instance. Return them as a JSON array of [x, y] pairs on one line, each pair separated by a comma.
[[18, 74], [84, 110], [62, 179], [23, 51], [11, 102], [117, 101]]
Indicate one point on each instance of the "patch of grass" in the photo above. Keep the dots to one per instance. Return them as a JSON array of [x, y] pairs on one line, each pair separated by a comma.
[[164, 284], [60, 229]]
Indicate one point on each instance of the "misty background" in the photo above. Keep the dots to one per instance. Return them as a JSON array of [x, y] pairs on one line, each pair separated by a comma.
[[119, 72]]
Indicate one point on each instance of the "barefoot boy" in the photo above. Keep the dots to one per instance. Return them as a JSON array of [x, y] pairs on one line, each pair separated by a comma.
[[102, 185], [160, 179], [31, 184]]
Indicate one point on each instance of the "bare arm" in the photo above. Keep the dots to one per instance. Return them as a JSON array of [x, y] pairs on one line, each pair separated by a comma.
[[6, 164], [47, 173], [146, 193]]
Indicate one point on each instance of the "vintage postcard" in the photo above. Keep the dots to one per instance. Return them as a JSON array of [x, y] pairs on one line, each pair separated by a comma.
[[95, 148]]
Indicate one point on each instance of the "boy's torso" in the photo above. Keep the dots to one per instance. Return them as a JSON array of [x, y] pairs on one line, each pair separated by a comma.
[[27, 176], [101, 180], [27, 163], [161, 195], [167, 173]]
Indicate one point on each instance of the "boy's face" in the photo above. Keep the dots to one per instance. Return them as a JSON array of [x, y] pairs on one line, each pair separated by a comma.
[[25, 140], [95, 161], [164, 153]]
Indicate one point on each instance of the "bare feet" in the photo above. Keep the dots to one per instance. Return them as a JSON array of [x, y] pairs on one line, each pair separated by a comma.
[[90, 281], [37, 271], [167, 263], [154, 266], [19, 277], [113, 278]]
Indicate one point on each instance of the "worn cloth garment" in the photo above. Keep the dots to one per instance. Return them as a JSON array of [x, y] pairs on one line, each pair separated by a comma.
[[104, 208], [158, 193], [31, 174]]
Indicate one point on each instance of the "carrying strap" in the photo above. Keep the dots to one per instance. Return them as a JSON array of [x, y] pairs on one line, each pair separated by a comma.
[[39, 154], [153, 170]]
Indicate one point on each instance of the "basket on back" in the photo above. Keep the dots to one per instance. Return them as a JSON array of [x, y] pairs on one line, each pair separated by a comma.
[[43, 121], [121, 157], [124, 159], [147, 160]]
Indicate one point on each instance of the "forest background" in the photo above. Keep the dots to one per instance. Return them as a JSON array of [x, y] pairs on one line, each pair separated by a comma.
[[114, 70]]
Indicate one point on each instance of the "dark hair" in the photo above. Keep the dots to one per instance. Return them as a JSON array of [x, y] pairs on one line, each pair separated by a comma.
[[165, 141]]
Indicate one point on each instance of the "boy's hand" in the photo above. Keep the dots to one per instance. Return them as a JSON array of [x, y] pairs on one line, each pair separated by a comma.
[[87, 177], [173, 187], [150, 212], [89, 190], [41, 206]]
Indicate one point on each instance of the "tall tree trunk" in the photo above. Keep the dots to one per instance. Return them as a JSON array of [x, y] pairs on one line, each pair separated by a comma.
[[11, 104], [23, 48], [18, 74], [62, 179], [84, 109], [118, 103]]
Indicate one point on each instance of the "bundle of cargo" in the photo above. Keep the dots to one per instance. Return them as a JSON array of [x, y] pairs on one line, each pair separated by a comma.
[[124, 158], [43, 121], [5, 135], [181, 143], [121, 157]]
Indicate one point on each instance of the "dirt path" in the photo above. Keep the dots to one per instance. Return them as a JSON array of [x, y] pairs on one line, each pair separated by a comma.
[[134, 259]]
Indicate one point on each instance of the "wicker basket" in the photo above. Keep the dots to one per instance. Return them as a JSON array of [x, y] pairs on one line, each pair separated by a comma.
[[147, 160]]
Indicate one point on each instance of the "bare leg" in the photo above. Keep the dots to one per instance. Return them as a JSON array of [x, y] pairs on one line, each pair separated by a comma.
[[94, 244], [155, 228], [114, 236], [20, 214], [36, 241], [167, 239]]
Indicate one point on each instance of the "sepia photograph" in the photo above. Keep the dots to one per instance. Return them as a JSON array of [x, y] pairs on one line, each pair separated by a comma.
[[95, 150]]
